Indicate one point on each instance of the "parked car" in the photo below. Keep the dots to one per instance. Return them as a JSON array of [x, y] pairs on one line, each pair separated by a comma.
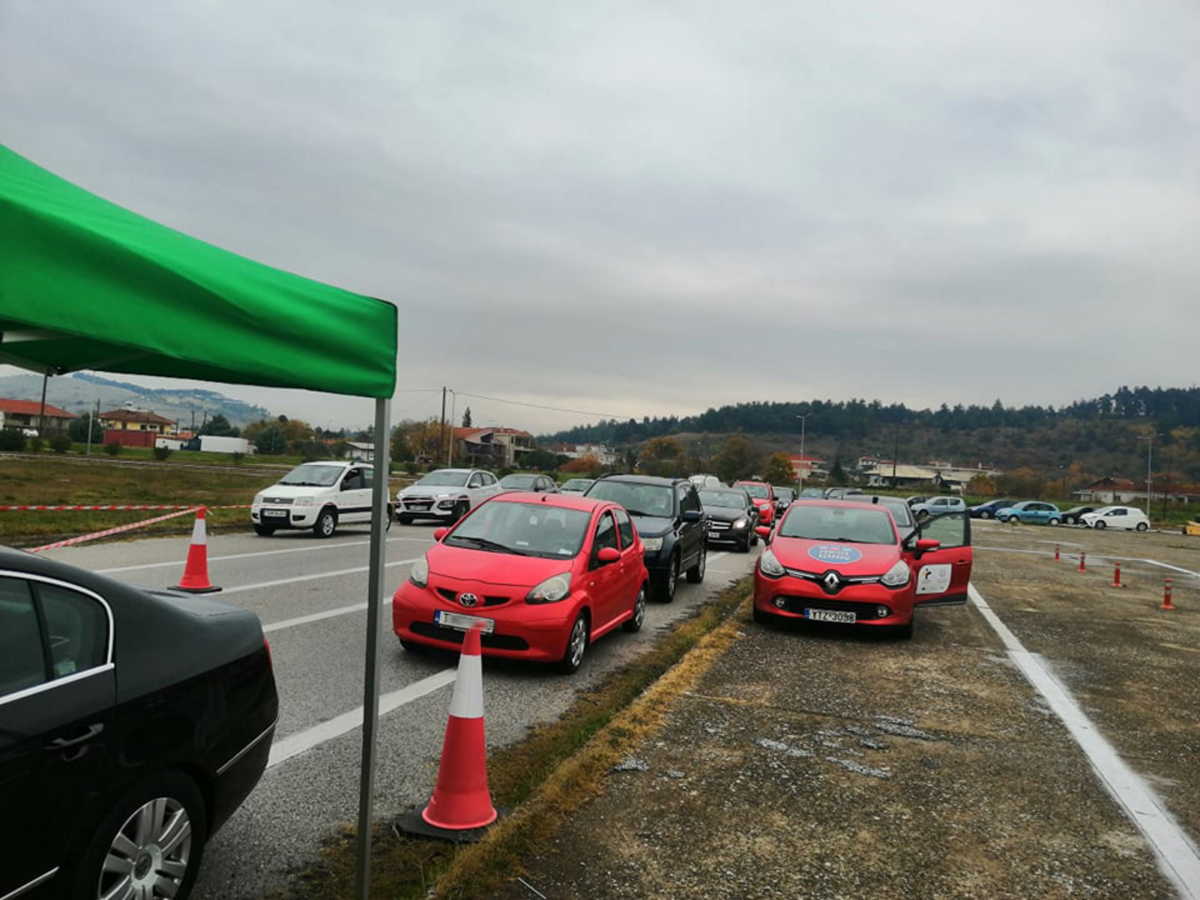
[[1073, 515], [318, 495], [763, 496], [576, 485], [817, 493], [1032, 512], [446, 494], [529, 481], [132, 725], [732, 517], [846, 562], [1129, 518], [544, 575], [935, 505], [671, 522], [901, 512], [988, 510], [783, 498], [842, 493], [706, 481], [913, 501]]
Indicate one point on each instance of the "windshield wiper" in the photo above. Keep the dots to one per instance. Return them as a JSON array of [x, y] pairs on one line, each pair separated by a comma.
[[485, 544], [638, 512]]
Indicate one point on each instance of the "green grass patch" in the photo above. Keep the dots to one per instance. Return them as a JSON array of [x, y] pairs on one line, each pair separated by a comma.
[[408, 867]]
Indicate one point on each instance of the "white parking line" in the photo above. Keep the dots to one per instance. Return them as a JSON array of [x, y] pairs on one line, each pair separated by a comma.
[[296, 579], [314, 617], [311, 549], [1178, 856], [1095, 557], [295, 744]]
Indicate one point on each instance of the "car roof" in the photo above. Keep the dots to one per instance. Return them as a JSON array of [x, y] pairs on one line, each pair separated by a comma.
[[645, 479], [565, 501]]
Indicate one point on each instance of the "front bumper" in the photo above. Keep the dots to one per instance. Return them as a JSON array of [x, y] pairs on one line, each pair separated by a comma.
[[284, 516], [426, 507], [788, 598], [725, 533], [532, 631]]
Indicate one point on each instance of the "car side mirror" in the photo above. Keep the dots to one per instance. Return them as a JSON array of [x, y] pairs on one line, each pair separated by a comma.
[[608, 555], [763, 532], [924, 545], [690, 515], [439, 533]]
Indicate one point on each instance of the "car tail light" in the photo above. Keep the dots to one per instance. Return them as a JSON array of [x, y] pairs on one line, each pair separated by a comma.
[[267, 647]]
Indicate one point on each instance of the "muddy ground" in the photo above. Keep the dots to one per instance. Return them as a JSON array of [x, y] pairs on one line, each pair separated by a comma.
[[820, 762]]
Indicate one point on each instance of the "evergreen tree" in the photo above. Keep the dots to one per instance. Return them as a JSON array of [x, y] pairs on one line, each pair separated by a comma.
[[467, 418]]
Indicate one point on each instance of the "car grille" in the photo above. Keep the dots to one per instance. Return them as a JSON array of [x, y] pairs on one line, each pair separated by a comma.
[[863, 611], [452, 596], [417, 502], [280, 501], [453, 635], [714, 525]]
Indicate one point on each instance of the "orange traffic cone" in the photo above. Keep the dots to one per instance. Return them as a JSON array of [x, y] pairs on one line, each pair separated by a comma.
[[461, 800], [195, 570], [1166, 601]]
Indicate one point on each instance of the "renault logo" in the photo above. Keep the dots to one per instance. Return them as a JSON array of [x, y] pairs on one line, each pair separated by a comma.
[[468, 599], [832, 582]]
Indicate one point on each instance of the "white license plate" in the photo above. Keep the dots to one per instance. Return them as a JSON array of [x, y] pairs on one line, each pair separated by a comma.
[[831, 615], [463, 623], [716, 535], [275, 513]]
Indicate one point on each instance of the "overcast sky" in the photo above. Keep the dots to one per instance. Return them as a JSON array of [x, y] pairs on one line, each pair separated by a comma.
[[650, 207]]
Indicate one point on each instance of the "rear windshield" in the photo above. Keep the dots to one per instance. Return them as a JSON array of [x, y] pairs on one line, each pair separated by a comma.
[[518, 481], [757, 491], [836, 523], [729, 499], [524, 529], [639, 499], [576, 484]]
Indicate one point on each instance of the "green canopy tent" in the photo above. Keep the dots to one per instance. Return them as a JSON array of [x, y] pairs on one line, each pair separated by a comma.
[[87, 284]]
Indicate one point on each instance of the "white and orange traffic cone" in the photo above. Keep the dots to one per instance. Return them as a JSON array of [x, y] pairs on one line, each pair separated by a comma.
[[195, 570], [461, 800]]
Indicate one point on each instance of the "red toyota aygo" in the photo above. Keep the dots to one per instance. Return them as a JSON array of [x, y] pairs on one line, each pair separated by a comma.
[[543, 574], [848, 563], [763, 496]]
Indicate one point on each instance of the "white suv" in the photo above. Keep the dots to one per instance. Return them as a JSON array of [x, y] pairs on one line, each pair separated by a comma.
[[445, 494], [316, 495], [1129, 518]]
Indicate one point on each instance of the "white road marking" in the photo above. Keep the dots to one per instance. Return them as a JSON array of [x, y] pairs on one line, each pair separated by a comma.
[[324, 545], [1178, 856], [1095, 557], [314, 617], [302, 741], [296, 579]]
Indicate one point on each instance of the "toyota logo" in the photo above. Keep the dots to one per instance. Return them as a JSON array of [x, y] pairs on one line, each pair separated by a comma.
[[468, 599], [832, 582]]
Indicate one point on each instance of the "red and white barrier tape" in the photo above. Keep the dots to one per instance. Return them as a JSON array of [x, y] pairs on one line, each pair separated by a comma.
[[120, 528], [112, 506]]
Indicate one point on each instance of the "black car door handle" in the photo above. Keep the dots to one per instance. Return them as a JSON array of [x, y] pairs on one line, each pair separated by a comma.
[[90, 732]]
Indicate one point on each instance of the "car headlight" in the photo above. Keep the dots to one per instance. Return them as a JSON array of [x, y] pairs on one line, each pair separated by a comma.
[[769, 565], [652, 545], [553, 589], [304, 501], [740, 523], [445, 496], [258, 499], [420, 572], [897, 575]]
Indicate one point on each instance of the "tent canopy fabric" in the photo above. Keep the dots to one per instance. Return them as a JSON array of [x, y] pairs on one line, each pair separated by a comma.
[[87, 284]]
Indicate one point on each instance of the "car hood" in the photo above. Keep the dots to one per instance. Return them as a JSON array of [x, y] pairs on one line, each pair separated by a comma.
[[486, 567], [724, 513], [849, 559], [652, 526], [430, 490], [761, 501], [291, 491]]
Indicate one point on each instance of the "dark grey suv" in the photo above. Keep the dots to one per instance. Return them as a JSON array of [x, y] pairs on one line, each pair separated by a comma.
[[670, 520]]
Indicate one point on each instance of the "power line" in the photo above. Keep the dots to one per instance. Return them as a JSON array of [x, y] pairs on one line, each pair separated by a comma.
[[580, 412]]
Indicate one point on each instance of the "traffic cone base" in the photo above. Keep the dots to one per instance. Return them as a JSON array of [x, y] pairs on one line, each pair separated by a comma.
[[195, 570]]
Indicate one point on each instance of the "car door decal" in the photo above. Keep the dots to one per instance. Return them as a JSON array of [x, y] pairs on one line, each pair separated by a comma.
[[933, 579]]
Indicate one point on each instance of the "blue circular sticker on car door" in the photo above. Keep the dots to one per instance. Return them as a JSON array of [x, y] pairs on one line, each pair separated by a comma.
[[834, 553]]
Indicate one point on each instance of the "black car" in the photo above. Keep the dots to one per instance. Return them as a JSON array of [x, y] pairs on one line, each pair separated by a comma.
[[988, 510], [732, 517], [783, 499], [132, 725], [669, 519], [1072, 516]]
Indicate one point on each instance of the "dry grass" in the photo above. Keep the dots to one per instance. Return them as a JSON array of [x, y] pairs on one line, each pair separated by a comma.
[[543, 777]]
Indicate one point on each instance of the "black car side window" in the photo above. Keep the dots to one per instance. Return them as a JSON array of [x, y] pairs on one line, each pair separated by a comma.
[[22, 657], [625, 526], [688, 499], [606, 536], [76, 630], [353, 480]]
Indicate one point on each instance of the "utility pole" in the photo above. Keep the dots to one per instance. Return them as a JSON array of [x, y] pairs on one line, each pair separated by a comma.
[[895, 454], [453, 409], [442, 427], [92, 426], [42, 414], [1149, 439], [803, 422]]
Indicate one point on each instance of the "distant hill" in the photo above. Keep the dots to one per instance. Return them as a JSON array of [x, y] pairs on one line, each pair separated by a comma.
[[78, 392]]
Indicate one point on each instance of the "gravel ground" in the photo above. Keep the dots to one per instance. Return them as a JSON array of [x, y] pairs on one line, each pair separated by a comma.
[[827, 763]]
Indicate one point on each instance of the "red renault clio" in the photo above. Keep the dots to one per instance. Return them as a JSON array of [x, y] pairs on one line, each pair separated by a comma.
[[543, 574], [847, 562], [763, 496]]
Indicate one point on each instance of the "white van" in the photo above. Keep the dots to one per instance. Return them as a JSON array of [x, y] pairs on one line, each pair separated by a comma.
[[316, 495]]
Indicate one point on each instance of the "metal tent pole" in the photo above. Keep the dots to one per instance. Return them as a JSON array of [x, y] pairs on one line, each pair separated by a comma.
[[366, 790]]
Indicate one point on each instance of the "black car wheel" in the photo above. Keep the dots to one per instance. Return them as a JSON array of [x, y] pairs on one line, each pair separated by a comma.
[[404, 520], [634, 623], [576, 646], [326, 523], [1142, 526], [696, 573], [669, 581], [744, 545], [986, 514], [461, 508], [151, 842], [264, 530], [1052, 521]]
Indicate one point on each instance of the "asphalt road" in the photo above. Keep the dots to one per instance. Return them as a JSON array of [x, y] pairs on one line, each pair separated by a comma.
[[311, 596]]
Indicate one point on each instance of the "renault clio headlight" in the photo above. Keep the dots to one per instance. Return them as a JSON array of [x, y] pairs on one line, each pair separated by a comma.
[[769, 565], [897, 575]]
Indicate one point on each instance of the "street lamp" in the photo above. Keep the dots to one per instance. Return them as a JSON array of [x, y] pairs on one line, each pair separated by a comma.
[[1149, 439], [803, 421]]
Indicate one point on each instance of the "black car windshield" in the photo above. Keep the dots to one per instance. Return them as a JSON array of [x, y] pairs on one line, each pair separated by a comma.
[[520, 482], [444, 478], [783, 493], [757, 491], [838, 523], [639, 499], [313, 475], [725, 499], [523, 529]]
